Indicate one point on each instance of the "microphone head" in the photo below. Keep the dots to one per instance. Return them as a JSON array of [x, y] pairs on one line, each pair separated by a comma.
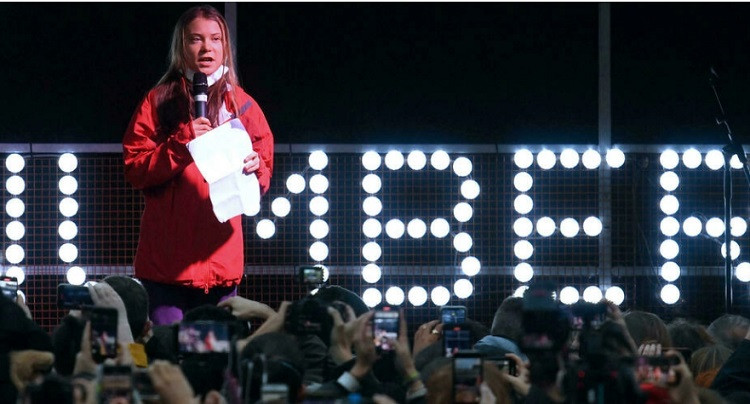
[[200, 83]]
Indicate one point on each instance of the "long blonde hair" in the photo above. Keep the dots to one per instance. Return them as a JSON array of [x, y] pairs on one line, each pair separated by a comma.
[[172, 85]]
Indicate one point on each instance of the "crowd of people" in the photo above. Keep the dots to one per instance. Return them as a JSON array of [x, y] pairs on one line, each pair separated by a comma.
[[321, 349]]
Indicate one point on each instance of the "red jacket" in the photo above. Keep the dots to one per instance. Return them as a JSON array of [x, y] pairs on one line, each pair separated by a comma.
[[181, 241]]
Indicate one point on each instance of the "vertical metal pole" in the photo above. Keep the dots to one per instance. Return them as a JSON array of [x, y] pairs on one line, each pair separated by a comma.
[[230, 14], [605, 142]]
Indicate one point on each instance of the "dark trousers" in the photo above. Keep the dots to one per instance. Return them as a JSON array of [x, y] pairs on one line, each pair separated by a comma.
[[168, 303]]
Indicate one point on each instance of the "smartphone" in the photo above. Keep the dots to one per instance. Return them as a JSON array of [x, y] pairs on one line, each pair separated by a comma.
[[73, 296], [455, 339], [9, 286], [467, 377], [311, 275], [103, 332], [274, 393], [144, 388], [505, 365], [116, 384], [385, 325], [453, 315], [202, 337], [655, 370]]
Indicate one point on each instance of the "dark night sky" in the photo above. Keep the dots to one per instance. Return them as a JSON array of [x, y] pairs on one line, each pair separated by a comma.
[[392, 72]]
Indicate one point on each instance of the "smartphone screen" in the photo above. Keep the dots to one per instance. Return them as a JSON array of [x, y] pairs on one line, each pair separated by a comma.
[[385, 326], [203, 337], [116, 385], [9, 286], [103, 333], [455, 339], [73, 296], [655, 370], [467, 378], [311, 275], [505, 365], [453, 315]]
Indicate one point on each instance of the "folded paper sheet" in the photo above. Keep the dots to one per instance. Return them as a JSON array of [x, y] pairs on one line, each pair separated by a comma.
[[219, 155]]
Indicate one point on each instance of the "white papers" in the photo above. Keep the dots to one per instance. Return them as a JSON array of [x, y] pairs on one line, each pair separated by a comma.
[[219, 155]]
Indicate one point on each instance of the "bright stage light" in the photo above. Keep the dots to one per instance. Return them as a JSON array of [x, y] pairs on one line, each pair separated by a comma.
[[372, 206], [735, 250], [295, 183], [440, 228], [669, 205], [15, 230], [371, 161], [742, 272], [462, 167], [16, 272], [591, 159], [523, 250], [470, 189], [523, 272], [615, 158], [318, 251], [615, 294], [372, 297], [546, 159], [463, 288], [76, 275], [670, 271], [592, 294], [281, 206], [523, 204], [714, 160], [669, 226], [371, 183], [670, 294], [416, 160], [669, 181], [462, 242], [372, 251], [394, 228], [463, 212], [669, 159], [520, 291], [715, 227], [545, 226], [371, 273], [15, 208], [440, 160], [14, 254], [372, 228], [440, 296], [735, 162], [318, 160], [15, 185], [67, 162], [319, 206], [523, 227], [692, 226], [318, 183], [394, 160], [669, 249], [692, 158], [265, 229], [569, 295], [394, 296], [417, 296], [68, 207], [319, 229], [523, 181], [416, 228], [569, 227], [470, 266], [737, 226], [523, 158], [15, 163], [569, 158], [68, 252], [592, 226]]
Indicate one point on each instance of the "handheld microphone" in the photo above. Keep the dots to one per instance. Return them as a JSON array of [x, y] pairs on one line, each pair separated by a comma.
[[200, 93]]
